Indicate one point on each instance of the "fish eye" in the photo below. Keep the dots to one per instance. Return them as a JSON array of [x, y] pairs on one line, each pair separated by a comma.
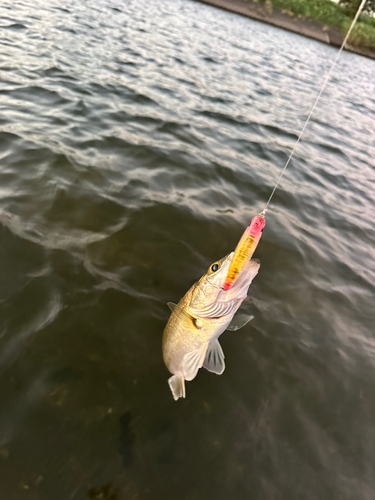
[[215, 267]]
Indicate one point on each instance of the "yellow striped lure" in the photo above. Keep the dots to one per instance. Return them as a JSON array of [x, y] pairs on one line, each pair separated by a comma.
[[245, 249]]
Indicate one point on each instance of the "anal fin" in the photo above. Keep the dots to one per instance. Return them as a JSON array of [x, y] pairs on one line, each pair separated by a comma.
[[214, 360], [193, 361]]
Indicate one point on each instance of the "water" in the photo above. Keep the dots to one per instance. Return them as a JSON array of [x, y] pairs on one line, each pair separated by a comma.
[[137, 140]]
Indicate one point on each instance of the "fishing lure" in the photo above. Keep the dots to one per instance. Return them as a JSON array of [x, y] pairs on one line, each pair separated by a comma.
[[245, 249]]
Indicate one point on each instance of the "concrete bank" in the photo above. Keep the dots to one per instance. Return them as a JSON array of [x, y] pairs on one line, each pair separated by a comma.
[[264, 11]]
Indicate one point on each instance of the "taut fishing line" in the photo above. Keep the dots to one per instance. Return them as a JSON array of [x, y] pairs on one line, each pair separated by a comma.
[[250, 238], [314, 106]]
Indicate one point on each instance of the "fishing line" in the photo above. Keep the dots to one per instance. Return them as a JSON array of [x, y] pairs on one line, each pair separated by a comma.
[[314, 105]]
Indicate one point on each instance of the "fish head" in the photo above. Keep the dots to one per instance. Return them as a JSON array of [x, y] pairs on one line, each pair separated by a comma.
[[210, 299]]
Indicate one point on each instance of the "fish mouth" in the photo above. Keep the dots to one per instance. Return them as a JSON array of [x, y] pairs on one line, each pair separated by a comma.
[[256, 260]]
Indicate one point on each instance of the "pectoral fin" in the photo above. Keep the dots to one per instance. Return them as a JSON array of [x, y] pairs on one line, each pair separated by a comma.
[[238, 321], [193, 321], [214, 360], [193, 361]]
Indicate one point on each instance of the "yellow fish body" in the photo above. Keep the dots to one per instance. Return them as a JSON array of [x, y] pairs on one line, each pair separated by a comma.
[[190, 338]]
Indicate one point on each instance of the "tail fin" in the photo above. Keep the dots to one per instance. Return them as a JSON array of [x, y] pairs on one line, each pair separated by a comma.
[[177, 385]]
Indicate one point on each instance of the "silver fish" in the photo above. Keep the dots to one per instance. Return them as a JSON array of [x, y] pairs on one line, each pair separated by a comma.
[[190, 338]]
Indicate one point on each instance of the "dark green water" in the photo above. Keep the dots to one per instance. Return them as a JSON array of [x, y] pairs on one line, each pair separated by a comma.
[[137, 140]]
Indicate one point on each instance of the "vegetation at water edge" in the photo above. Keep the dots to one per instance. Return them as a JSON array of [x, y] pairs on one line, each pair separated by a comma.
[[337, 14]]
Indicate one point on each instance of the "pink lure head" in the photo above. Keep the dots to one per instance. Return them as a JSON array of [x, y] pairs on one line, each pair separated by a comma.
[[256, 226]]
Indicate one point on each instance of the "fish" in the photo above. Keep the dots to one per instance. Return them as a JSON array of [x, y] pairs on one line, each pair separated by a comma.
[[190, 338]]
